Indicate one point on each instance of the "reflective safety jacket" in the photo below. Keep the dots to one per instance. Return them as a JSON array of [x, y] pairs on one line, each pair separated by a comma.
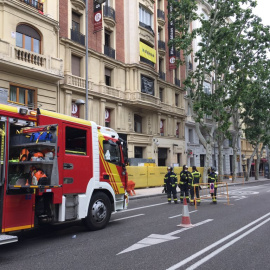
[[195, 178], [170, 179], [185, 177], [212, 178]]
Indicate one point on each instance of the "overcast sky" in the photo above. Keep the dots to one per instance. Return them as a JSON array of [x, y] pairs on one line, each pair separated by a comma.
[[263, 11]]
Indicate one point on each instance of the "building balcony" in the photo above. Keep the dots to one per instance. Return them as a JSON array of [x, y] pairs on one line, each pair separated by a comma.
[[177, 82], [77, 37], [74, 82], [162, 75], [161, 17], [109, 51], [143, 100], [35, 4], [30, 64], [146, 61], [80, 4], [172, 109], [148, 27], [161, 48], [109, 15]]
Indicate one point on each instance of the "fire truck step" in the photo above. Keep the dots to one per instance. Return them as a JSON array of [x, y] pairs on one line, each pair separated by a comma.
[[6, 239]]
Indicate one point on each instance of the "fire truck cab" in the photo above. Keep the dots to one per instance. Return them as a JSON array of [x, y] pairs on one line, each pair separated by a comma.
[[56, 168]]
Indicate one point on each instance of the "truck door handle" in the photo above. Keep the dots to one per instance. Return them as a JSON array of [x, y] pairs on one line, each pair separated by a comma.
[[68, 166]]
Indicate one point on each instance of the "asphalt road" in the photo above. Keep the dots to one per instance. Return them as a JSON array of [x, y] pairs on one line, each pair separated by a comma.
[[146, 236]]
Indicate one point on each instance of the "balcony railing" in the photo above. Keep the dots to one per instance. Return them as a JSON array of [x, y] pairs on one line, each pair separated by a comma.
[[109, 51], [77, 37], [162, 75], [161, 45], [34, 3], [160, 14], [25, 61], [142, 59], [148, 27], [177, 82], [109, 12]]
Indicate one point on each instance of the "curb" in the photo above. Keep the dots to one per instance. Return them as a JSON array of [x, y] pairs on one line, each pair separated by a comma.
[[138, 197]]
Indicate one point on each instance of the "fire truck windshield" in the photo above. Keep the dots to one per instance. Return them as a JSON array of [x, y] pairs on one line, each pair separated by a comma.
[[111, 152]]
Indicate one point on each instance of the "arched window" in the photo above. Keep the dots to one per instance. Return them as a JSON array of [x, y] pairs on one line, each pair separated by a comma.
[[28, 38]]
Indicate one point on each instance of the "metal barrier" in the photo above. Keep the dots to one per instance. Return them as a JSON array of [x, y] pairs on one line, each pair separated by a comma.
[[222, 191]]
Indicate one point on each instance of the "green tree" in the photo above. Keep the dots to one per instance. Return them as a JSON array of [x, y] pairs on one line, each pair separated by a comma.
[[222, 36]]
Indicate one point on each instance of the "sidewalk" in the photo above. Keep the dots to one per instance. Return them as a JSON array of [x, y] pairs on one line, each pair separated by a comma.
[[157, 191]]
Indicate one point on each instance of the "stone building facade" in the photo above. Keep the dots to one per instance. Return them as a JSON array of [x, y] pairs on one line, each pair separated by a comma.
[[132, 84]]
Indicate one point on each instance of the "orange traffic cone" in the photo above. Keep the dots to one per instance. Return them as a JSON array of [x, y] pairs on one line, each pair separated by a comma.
[[185, 216]]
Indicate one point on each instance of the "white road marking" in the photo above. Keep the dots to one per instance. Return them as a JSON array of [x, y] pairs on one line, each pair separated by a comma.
[[147, 206], [199, 253], [154, 239], [127, 217], [181, 214], [214, 253]]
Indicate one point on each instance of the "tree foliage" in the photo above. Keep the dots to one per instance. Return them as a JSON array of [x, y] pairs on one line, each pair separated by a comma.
[[231, 45]]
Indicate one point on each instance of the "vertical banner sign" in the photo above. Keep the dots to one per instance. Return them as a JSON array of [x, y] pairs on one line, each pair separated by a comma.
[[107, 116], [171, 31], [97, 17], [75, 110]]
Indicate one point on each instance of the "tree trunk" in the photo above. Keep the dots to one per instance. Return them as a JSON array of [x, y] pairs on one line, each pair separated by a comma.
[[259, 156], [234, 163], [220, 158], [208, 148], [250, 161]]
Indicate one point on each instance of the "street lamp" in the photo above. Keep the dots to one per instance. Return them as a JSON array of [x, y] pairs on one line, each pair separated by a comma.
[[86, 54]]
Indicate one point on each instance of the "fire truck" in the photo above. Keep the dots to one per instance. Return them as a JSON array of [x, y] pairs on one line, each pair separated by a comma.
[[57, 168]]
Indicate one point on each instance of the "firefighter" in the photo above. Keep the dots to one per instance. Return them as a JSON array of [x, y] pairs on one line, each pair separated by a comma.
[[195, 184], [212, 178], [170, 183], [185, 178]]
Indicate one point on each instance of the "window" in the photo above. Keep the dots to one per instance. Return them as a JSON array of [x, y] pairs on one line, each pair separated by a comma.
[[76, 65], [107, 38], [76, 22], [145, 18], [28, 38], [111, 152], [207, 88], [162, 124], [190, 135], [22, 95], [176, 100], [160, 64], [138, 152], [137, 123], [75, 141], [177, 133], [161, 91], [108, 76], [147, 85]]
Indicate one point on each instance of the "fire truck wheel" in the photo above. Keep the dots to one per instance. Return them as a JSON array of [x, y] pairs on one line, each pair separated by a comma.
[[99, 212]]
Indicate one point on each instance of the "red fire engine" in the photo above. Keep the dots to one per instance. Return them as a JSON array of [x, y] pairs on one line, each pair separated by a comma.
[[56, 168]]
